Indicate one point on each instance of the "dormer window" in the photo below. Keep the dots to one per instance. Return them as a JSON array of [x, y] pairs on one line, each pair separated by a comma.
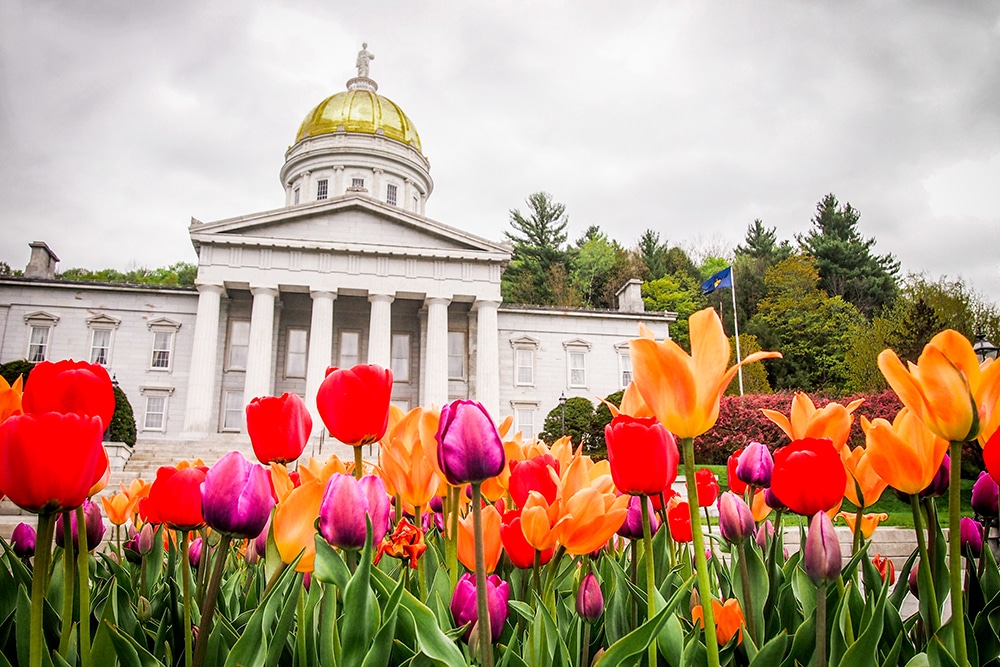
[[322, 188]]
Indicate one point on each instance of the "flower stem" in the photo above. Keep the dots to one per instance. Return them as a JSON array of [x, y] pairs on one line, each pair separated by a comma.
[[955, 554], [39, 584], [211, 597], [418, 519], [585, 648], [930, 624], [820, 660], [452, 505], [858, 516], [69, 573], [747, 594], [647, 547], [359, 463], [186, 593], [701, 564], [482, 607], [83, 576]]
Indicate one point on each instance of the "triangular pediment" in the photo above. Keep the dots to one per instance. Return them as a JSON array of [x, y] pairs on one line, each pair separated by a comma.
[[349, 222]]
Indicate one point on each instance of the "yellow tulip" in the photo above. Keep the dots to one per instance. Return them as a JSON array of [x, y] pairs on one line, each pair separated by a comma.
[[943, 386], [906, 454], [10, 398], [683, 390], [869, 522], [832, 421], [294, 524]]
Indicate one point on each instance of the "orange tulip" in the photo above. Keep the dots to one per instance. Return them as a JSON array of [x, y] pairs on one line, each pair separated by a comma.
[[832, 421], [729, 620], [406, 469], [589, 519], [492, 545], [943, 386], [988, 398], [10, 398], [869, 522], [632, 404], [294, 524], [321, 472], [683, 390], [860, 474], [906, 454], [118, 507], [760, 509], [538, 520]]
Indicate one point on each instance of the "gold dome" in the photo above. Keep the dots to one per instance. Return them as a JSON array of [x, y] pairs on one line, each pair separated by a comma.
[[359, 110]]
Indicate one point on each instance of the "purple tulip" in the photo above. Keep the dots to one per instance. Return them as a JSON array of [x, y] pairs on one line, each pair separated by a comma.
[[346, 504], [93, 521], [236, 497], [632, 526], [939, 485], [469, 446], [589, 600], [260, 542], [821, 559], [735, 518], [463, 603], [145, 539], [763, 533], [23, 540], [912, 580], [754, 465], [971, 534], [773, 501], [985, 496], [194, 552]]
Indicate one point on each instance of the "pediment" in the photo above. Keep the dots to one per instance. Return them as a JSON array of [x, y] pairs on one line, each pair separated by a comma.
[[349, 222]]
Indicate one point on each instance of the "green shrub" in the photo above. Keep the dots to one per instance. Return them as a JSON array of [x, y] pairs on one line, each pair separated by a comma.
[[579, 422], [14, 369], [122, 427]]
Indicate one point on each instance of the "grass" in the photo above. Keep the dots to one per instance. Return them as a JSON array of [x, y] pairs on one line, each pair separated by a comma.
[[899, 512]]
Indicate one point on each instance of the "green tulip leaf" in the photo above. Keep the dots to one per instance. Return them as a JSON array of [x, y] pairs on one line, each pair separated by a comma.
[[771, 652], [378, 655], [625, 650], [865, 649], [282, 629], [903, 582], [329, 566], [803, 643], [329, 642], [695, 653], [22, 625], [919, 660], [938, 654], [892, 657], [670, 641], [360, 620], [130, 653]]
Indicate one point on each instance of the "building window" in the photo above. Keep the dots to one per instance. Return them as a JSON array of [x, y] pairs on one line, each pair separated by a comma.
[[100, 346], [524, 419], [322, 188], [390, 194], [296, 199], [400, 361], [578, 369], [233, 411], [524, 366], [295, 353], [456, 355], [38, 344], [239, 344], [357, 182], [163, 343], [401, 403], [350, 352], [156, 413]]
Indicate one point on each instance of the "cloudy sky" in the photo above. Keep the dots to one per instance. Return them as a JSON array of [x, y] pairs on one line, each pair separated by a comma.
[[121, 119]]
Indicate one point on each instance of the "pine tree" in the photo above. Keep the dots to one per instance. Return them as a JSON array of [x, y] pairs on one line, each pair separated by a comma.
[[539, 240]]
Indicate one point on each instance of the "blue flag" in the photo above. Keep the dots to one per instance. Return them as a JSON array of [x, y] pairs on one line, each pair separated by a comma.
[[723, 278]]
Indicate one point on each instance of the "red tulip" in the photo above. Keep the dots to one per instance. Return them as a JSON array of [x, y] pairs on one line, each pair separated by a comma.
[[354, 403], [70, 386], [736, 485], [808, 476], [175, 498], [49, 461], [708, 487], [534, 475], [521, 553], [279, 428], [642, 453], [679, 519]]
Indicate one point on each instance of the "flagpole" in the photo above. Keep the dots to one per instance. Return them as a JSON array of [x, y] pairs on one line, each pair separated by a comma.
[[736, 327]]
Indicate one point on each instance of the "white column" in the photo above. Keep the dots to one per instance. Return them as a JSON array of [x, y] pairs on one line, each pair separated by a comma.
[[339, 187], [376, 192], [488, 357], [204, 352], [305, 190], [320, 346], [380, 330], [259, 371], [436, 372]]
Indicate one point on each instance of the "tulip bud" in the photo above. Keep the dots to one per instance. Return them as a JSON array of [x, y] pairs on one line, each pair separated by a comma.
[[755, 464], [144, 611], [772, 500], [194, 552], [436, 504], [23, 540], [145, 542], [631, 528], [885, 568], [589, 600], [938, 485], [985, 494], [463, 603], [93, 522], [822, 559], [913, 578], [708, 487], [695, 599], [971, 535], [307, 580], [735, 518], [764, 532], [260, 542]]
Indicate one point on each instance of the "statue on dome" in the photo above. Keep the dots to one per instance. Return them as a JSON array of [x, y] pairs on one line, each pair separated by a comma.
[[364, 57]]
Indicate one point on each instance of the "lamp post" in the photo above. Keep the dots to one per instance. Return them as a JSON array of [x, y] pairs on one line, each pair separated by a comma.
[[562, 404], [983, 348]]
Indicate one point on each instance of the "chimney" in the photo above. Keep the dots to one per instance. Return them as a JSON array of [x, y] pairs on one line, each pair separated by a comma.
[[630, 297], [42, 263]]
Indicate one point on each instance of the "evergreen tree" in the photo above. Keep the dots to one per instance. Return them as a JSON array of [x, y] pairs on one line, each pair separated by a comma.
[[653, 254], [761, 243], [538, 240], [845, 261], [759, 251]]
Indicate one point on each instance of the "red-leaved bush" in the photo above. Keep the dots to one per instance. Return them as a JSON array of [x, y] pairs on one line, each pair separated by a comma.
[[741, 422]]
